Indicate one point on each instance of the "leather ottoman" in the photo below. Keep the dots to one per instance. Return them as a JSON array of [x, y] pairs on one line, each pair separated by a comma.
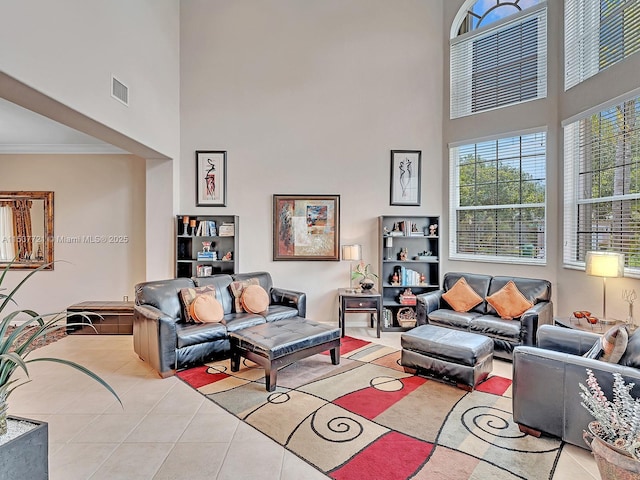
[[275, 344], [460, 357]]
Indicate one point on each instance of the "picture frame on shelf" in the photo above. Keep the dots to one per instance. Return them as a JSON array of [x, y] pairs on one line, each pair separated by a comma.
[[405, 184], [306, 227], [211, 178]]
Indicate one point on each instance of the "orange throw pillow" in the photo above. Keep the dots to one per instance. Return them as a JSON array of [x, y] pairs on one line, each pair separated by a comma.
[[255, 299], [509, 302], [206, 309], [462, 297], [188, 295], [236, 289]]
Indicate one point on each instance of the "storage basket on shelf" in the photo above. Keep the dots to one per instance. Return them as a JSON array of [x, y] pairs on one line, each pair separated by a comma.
[[407, 317]]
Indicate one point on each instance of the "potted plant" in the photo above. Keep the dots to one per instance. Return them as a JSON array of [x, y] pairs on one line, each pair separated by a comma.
[[364, 275], [614, 435], [16, 461]]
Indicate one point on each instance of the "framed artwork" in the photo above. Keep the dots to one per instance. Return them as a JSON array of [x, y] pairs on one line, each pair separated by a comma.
[[306, 227], [405, 177], [211, 178]]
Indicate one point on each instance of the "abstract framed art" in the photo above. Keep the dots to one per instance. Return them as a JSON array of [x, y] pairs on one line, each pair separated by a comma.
[[405, 177], [211, 178], [306, 227]]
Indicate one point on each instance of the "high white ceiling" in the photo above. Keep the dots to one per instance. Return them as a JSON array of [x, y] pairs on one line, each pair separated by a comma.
[[23, 131]]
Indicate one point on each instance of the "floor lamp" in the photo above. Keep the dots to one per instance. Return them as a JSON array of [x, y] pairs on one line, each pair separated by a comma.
[[353, 253], [605, 265]]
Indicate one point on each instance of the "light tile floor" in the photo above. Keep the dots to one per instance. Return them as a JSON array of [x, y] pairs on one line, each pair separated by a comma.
[[166, 430]]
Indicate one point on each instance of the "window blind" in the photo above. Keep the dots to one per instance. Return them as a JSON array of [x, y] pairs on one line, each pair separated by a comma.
[[602, 184], [501, 64], [498, 199], [598, 34]]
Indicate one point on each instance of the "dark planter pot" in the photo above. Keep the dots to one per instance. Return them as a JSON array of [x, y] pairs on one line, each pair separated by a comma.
[[26, 456]]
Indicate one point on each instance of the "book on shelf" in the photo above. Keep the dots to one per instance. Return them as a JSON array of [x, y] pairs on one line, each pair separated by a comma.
[[226, 229], [206, 228], [204, 271], [205, 256]]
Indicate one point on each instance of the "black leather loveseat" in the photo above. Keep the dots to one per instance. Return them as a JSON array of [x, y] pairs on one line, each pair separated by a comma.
[[483, 319], [168, 343]]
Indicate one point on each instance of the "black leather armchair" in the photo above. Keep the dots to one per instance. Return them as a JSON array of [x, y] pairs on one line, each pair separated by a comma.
[[546, 395], [432, 309], [162, 338]]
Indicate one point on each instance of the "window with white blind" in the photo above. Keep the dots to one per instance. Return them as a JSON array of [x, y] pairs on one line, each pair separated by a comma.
[[498, 59], [598, 34], [498, 199], [602, 183]]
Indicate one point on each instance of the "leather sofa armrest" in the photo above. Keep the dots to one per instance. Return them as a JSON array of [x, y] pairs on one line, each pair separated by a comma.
[[566, 340], [427, 303], [155, 338], [540, 314], [290, 298]]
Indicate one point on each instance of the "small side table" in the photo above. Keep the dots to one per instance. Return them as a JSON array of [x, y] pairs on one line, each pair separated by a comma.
[[582, 324], [367, 301]]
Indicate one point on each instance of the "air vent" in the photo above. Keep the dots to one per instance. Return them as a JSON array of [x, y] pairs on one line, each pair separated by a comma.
[[119, 90]]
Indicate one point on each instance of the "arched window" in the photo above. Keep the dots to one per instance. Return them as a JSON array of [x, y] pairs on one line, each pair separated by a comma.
[[498, 55]]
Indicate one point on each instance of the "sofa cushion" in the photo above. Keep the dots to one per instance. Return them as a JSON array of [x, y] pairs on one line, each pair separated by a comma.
[[479, 283], [237, 321], [189, 294], [279, 312], [495, 327], [237, 287], [461, 296], [631, 356], [611, 346], [206, 309], [450, 318], [509, 302], [196, 333], [255, 299]]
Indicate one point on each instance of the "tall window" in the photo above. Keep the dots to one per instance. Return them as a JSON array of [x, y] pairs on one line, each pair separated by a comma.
[[602, 177], [498, 192], [498, 56], [598, 34]]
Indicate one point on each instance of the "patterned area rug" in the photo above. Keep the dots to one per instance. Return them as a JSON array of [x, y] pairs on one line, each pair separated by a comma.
[[368, 419]]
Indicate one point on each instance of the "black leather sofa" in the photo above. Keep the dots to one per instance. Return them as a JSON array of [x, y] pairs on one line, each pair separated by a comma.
[[546, 395], [163, 339], [432, 309]]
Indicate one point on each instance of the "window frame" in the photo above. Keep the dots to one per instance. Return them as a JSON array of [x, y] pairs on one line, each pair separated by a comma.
[[455, 207]]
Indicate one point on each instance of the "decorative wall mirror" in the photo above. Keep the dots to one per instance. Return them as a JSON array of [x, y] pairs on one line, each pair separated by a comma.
[[26, 229]]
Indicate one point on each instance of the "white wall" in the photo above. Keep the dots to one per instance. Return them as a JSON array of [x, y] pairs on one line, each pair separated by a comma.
[[94, 195], [572, 290], [309, 98]]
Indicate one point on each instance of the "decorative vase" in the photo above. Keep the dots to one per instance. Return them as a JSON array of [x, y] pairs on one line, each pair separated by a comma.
[[366, 284], [613, 463]]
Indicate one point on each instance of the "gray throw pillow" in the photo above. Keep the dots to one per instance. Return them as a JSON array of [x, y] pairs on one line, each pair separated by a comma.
[[611, 346]]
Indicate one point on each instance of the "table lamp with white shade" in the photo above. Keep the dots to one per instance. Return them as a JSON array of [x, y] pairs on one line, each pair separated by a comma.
[[353, 253], [605, 265]]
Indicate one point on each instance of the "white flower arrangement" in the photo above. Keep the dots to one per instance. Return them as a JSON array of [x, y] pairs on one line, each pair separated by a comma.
[[617, 420]]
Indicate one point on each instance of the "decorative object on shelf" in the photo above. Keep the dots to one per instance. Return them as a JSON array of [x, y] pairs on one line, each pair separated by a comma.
[[630, 297], [185, 225], [395, 279], [388, 245], [402, 256], [407, 317], [364, 275], [396, 232], [306, 227], [615, 434], [227, 230], [227, 257], [605, 265], [387, 318], [405, 177], [192, 225], [423, 255], [407, 297], [433, 230], [206, 246], [211, 178]]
